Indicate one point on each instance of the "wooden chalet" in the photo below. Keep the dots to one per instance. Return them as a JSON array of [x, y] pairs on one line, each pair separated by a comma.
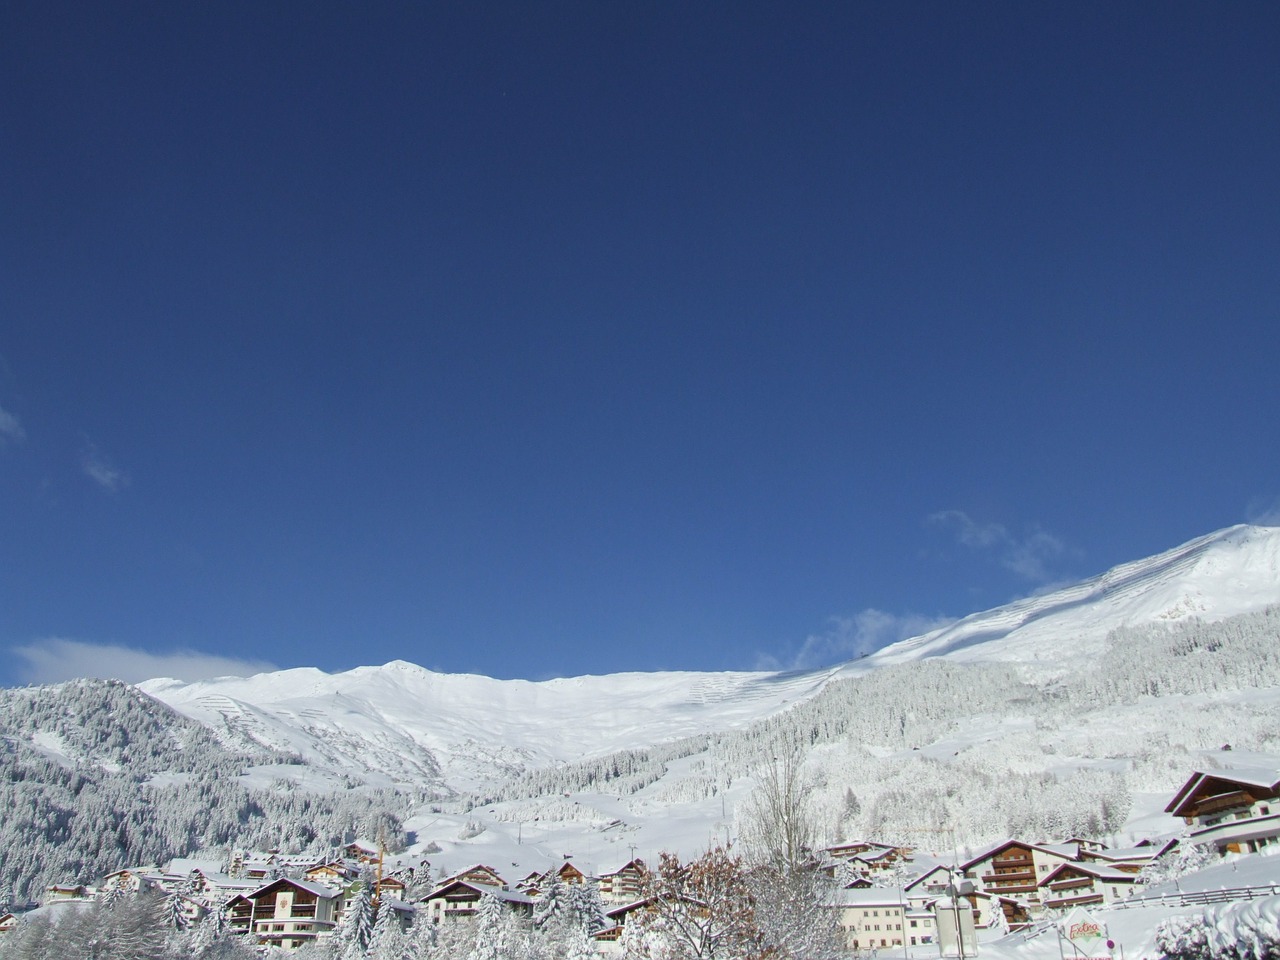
[[1085, 884], [1014, 868], [333, 872], [620, 917], [626, 884], [362, 851], [458, 899], [1234, 810], [1129, 859], [239, 912], [391, 887], [288, 913], [7, 922], [479, 873], [868, 849]]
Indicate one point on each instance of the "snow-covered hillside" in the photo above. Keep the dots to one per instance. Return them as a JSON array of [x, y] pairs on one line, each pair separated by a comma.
[[400, 723], [1232, 571], [408, 724]]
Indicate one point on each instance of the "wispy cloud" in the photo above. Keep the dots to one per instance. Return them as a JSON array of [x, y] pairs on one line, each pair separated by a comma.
[[848, 637], [1262, 512], [10, 428], [56, 659], [1026, 554], [98, 468]]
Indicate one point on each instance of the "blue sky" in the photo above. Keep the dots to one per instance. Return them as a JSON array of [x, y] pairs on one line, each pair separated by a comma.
[[543, 339]]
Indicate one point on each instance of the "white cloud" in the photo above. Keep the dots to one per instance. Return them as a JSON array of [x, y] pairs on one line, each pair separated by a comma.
[[1264, 513], [1027, 554], [849, 637], [102, 471], [56, 659], [10, 428]]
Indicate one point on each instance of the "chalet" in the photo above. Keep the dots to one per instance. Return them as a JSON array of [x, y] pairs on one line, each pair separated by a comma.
[[536, 883], [333, 872], [1014, 868], [288, 913], [626, 884], [7, 922], [567, 873], [68, 893], [1085, 884], [874, 861], [881, 853], [391, 887], [1129, 859], [929, 885], [362, 851], [239, 913], [217, 887], [457, 899], [130, 880], [479, 873], [620, 917], [1233, 810]]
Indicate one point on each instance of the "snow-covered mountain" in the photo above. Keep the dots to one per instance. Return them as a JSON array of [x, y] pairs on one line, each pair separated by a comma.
[[402, 723], [1223, 574], [1076, 711]]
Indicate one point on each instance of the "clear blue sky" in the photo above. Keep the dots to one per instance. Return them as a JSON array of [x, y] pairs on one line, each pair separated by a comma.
[[544, 339]]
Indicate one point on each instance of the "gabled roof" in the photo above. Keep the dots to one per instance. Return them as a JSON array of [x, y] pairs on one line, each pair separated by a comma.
[[1110, 874], [946, 871], [316, 889], [1134, 854], [633, 864], [1056, 850], [502, 893], [1255, 777], [867, 897]]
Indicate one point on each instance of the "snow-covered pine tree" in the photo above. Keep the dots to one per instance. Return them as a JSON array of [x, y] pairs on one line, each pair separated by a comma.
[[388, 940], [552, 906], [356, 927], [490, 929]]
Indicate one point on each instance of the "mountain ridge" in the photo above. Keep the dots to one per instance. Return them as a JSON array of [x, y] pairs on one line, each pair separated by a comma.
[[402, 723]]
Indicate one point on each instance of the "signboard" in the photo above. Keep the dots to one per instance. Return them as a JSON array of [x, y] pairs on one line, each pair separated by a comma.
[[1086, 934]]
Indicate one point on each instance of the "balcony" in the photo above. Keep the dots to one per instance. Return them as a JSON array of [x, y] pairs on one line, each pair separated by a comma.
[[1009, 876], [1238, 831]]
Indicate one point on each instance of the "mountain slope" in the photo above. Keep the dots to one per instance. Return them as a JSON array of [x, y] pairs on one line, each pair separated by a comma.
[[400, 723], [1232, 571], [410, 724]]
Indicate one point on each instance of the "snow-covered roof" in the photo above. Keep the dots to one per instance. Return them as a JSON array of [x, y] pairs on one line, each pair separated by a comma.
[[1111, 874], [502, 893], [318, 889], [1264, 777], [868, 897], [183, 866], [1130, 854], [944, 871], [1067, 851]]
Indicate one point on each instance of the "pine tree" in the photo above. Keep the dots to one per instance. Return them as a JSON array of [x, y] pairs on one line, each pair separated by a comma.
[[356, 928], [490, 929]]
